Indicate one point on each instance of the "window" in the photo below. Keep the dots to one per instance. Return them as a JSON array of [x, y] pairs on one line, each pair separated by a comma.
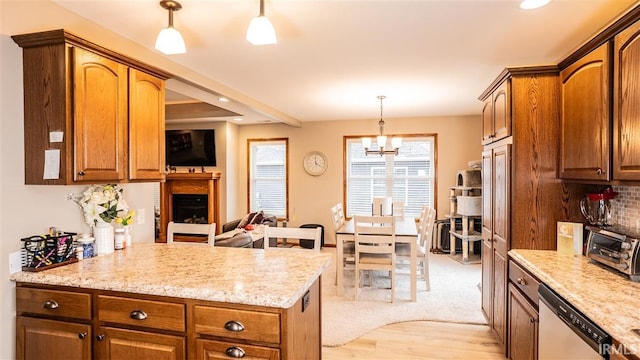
[[408, 177], [268, 180]]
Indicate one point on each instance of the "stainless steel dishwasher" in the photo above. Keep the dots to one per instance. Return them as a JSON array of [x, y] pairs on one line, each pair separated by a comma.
[[565, 333]]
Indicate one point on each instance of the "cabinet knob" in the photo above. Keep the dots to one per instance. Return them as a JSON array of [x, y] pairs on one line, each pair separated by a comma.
[[138, 315], [234, 326], [522, 281], [50, 304], [100, 337], [81, 173], [532, 320], [235, 352], [82, 336], [599, 171]]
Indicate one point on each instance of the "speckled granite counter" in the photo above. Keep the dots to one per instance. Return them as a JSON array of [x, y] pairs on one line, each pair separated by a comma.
[[611, 300], [272, 278]]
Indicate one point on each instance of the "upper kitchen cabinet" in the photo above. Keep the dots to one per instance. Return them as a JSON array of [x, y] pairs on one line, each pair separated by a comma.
[[90, 114], [496, 114], [585, 117], [626, 104]]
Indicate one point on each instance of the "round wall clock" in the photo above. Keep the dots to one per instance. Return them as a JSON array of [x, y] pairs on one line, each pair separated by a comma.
[[315, 163]]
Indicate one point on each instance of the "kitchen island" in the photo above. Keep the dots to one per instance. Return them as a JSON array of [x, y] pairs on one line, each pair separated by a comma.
[[174, 301], [608, 298]]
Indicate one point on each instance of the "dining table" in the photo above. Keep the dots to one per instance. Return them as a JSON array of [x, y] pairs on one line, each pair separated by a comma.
[[406, 233]]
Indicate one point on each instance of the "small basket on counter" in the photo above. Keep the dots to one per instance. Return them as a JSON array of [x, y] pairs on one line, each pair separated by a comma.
[[48, 251]]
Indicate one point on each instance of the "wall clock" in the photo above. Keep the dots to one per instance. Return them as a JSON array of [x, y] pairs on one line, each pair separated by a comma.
[[315, 163]]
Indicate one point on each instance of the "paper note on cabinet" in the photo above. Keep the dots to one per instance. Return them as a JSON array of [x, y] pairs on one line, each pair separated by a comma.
[[569, 240], [51, 164]]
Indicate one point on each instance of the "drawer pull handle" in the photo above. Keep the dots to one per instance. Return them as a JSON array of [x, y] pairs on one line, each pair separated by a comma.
[[234, 326], [522, 281], [235, 352], [100, 337], [82, 336], [50, 304], [81, 173], [138, 315]]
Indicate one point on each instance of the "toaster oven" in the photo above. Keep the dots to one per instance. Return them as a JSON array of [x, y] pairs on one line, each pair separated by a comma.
[[615, 247]]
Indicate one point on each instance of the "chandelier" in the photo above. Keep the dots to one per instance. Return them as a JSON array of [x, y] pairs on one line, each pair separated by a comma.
[[381, 139]]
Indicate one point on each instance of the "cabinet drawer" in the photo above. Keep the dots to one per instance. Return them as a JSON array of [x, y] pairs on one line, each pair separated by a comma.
[[524, 281], [249, 325], [53, 302], [210, 349], [147, 313]]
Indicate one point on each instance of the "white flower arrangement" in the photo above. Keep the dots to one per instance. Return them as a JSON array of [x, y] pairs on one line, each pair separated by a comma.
[[102, 203]]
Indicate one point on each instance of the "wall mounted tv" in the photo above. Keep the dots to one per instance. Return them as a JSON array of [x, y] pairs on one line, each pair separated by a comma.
[[190, 147]]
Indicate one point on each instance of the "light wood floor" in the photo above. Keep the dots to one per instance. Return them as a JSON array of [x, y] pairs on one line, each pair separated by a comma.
[[420, 340]]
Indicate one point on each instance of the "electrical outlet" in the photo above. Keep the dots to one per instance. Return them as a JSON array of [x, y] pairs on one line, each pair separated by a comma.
[[140, 215], [15, 262]]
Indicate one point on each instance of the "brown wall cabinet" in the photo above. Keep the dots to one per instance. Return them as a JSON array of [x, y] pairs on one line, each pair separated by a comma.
[[496, 115], [523, 199], [108, 109], [626, 104], [585, 117]]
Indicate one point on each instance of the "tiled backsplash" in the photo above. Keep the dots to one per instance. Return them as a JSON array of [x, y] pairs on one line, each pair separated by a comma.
[[626, 206]]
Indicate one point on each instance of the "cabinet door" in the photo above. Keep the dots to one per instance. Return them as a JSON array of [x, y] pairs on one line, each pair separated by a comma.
[[41, 339], [523, 327], [146, 126], [100, 117], [501, 112], [626, 97], [487, 121], [113, 343], [501, 230], [585, 119], [487, 234]]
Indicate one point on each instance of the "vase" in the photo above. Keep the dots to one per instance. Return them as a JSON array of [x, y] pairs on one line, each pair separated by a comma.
[[103, 233]]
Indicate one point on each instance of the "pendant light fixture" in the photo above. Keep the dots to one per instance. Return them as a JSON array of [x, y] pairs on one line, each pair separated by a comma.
[[381, 139], [533, 4], [169, 39], [261, 31]]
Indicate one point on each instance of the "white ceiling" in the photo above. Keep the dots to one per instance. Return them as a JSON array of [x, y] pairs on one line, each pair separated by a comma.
[[333, 58]]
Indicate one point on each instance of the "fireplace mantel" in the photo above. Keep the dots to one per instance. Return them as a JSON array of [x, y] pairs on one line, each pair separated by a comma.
[[202, 183]]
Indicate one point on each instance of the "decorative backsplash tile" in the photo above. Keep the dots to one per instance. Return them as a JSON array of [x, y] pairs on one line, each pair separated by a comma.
[[626, 206]]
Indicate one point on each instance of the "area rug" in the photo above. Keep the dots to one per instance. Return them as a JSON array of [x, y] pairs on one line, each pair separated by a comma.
[[454, 297]]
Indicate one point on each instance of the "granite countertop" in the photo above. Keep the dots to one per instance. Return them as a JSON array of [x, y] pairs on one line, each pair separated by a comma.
[[608, 298], [274, 278]]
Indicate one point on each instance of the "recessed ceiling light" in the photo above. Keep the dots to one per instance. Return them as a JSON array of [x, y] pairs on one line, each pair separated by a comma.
[[237, 119], [223, 99], [533, 4]]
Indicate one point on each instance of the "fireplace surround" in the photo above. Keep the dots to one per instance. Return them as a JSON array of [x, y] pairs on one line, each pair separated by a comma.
[[189, 197]]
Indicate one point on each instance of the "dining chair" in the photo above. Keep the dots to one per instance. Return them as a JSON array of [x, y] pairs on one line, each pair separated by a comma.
[[291, 233], [381, 206], [397, 208], [194, 229], [338, 220], [425, 235], [375, 238]]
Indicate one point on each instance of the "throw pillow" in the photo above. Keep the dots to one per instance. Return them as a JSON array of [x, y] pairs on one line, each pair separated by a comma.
[[246, 220], [258, 218]]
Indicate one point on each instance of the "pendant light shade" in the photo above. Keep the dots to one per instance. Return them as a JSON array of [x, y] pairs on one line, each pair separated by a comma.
[[261, 31], [169, 39], [533, 4]]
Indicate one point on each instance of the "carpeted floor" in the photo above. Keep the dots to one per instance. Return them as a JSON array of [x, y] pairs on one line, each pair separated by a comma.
[[454, 297]]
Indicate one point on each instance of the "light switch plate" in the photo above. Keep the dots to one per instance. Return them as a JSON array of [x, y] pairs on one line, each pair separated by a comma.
[[140, 215], [15, 262]]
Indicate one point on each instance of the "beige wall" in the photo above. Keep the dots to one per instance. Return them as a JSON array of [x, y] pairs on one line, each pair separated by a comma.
[[310, 198]]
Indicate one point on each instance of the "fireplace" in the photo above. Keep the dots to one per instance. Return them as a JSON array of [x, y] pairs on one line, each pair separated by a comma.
[[188, 198], [190, 208]]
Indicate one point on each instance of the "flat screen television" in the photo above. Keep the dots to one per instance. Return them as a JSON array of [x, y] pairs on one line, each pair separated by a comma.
[[190, 147]]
